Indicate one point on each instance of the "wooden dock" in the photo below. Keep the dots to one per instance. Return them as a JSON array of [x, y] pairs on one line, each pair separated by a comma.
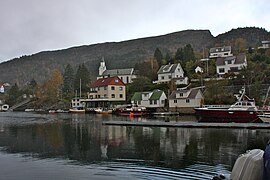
[[189, 124]]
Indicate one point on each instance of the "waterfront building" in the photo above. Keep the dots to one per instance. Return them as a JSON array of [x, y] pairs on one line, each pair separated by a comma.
[[185, 100], [106, 92], [150, 99]]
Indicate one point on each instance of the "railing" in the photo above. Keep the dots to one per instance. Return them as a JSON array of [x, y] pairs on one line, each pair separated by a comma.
[[216, 106]]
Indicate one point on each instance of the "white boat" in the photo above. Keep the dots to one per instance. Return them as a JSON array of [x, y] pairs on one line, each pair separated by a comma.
[[76, 110], [103, 111]]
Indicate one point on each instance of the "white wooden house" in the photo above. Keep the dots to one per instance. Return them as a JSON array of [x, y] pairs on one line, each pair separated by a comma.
[[230, 64], [171, 72], [224, 51], [152, 99], [185, 100]]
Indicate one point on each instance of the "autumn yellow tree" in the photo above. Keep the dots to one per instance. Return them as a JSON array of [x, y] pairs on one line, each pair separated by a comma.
[[50, 91]]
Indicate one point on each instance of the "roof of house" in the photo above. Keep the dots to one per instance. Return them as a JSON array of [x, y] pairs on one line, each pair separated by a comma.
[[239, 59], [107, 81], [156, 94], [169, 68], [117, 72], [220, 49], [137, 96], [192, 93]]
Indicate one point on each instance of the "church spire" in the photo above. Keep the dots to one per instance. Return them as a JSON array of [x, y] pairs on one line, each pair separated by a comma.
[[102, 67]]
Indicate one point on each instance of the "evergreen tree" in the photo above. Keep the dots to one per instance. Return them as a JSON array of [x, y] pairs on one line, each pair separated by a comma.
[[168, 58], [188, 53], [179, 54], [13, 94], [158, 56], [82, 79], [68, 81]]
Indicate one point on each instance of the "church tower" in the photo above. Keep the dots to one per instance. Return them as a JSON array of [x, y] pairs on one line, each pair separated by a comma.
[[102, 67]]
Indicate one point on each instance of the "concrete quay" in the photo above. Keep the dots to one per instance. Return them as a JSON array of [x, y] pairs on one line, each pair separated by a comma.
[[189, 124]]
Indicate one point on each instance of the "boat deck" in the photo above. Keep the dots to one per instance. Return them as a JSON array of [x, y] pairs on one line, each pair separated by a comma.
[[190, 124]]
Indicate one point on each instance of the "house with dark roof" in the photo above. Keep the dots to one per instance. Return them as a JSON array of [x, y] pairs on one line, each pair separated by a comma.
[[224, 51], [106, 92], [151, 99], [230, 64], [265, 45], [126, 75], [171, 72], [185, 100]]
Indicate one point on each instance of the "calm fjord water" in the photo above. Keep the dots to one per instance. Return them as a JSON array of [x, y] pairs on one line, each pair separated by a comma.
[[78, 146]]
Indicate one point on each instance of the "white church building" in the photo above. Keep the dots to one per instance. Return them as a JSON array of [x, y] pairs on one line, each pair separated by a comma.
[[126, 75]]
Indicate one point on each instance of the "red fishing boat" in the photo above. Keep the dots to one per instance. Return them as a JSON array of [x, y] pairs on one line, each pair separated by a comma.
[[243, 111]]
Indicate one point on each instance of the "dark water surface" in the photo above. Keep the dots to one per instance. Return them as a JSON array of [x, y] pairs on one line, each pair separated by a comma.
[[78, 146]]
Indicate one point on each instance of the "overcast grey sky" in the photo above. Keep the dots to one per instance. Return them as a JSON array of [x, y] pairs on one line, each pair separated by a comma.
[[31, 26]]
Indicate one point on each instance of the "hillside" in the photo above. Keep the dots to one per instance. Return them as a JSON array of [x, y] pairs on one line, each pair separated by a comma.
[[117, 54]]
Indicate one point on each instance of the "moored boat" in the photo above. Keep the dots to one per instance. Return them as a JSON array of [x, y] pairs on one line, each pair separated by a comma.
[[103, 111], [131, 110], [243, 111], [76, 110]]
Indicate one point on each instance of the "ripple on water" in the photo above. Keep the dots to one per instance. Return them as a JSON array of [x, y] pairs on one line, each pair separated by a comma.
[[33, 168]]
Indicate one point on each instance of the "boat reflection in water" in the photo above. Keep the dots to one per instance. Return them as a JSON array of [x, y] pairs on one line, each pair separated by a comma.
[[61, 141]]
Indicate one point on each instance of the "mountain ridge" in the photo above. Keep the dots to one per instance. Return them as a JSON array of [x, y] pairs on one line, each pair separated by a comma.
[[123, 54]]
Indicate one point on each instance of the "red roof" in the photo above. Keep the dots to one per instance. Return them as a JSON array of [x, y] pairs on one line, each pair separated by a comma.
[[107, 81]]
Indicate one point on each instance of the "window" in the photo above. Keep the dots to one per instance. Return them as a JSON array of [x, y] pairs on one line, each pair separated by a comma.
[[105, 88], [175, 101], [98, 96], [162, 77], [229, 62], [162, 101], [105, 95], [120, 88], [187, 100], [112, 88], [155, 101], [221, 70], [98, 89], [151, 102], [181, 95], [121, 95], [113, 95], [127, 79], [139, 102], [170, 76]]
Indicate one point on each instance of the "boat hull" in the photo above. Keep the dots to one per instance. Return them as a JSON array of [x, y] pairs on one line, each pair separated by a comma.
[[131, 113], [77, 110], [226, 116]]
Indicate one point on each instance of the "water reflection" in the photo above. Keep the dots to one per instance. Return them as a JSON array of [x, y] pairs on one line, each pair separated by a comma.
[[84, 139]]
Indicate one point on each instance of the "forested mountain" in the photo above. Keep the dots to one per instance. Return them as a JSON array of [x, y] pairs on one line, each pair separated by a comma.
[[118, 54]]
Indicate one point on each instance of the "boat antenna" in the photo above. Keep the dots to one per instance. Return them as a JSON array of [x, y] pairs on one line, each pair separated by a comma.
[[266, 96]]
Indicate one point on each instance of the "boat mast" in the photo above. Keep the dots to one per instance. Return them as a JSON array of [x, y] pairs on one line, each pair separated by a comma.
[[80, 88], [266, 96]]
